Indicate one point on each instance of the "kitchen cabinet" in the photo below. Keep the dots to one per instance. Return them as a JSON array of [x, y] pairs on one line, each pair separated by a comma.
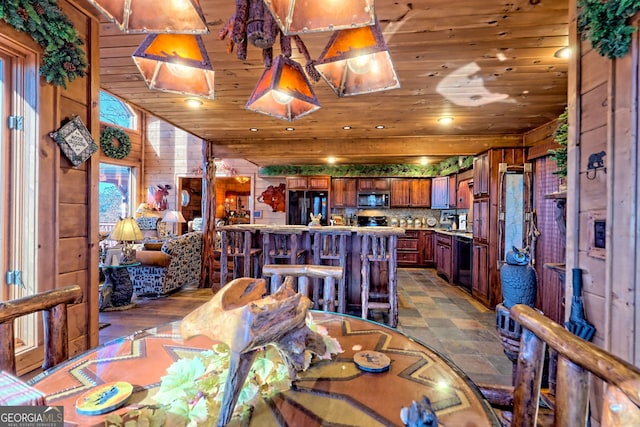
[[410, 192], [428, 253], [440, 192], [415, 249], [464, 195], [481, 220], [308, 182], [453, 191], [481, 174], [343, 192], [480, 273], [409, 249], [444, 255], [373, 184]]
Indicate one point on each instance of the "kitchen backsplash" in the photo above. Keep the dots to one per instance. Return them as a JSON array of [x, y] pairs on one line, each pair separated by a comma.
[[442, 216]]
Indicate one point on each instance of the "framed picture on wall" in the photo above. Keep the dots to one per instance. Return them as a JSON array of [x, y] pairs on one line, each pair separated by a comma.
[[75, 141]]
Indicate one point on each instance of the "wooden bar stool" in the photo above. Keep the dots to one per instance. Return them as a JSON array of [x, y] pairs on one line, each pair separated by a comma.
[[240, 251], [329, 247], [379, 248], [303, 272], [285, 245]]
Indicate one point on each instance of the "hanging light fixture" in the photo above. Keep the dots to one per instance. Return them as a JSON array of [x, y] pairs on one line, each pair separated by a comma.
[[175, 63], [153, 16], [295, 17], [357, 61], [283, 91]]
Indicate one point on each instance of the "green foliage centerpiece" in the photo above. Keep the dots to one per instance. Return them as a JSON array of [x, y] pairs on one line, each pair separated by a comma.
[[263, 343]]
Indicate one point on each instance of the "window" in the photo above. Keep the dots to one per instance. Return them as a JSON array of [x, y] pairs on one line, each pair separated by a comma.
[[116, 194], [117, 112], [19, 138]]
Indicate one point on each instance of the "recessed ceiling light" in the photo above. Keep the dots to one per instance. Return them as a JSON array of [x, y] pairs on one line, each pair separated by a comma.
[[253, 129], [346, 127], [564, 52], [424, 161], [193, 102], [445, 120], [331, 160], [380, 127], [289, 129]]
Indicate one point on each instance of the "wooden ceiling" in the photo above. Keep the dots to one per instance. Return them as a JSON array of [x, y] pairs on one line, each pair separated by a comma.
[[489, 64]]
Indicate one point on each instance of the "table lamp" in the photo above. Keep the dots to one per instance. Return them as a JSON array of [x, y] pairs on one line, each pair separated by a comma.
[[127, 231], [173, 217]]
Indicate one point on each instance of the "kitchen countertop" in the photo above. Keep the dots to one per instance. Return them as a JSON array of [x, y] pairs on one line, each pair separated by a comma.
[[455, 233]]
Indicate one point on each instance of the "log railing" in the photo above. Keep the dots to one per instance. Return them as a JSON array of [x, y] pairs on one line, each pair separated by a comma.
[[53, 305]]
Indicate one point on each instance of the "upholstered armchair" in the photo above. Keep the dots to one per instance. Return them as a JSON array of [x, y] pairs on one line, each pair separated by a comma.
[[152, 227], [177, 263]]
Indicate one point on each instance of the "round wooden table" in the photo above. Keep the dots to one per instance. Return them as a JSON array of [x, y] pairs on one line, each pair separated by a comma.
[[331, 392]]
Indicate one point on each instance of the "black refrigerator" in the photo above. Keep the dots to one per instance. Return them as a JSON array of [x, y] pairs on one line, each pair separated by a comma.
[[302, 203]]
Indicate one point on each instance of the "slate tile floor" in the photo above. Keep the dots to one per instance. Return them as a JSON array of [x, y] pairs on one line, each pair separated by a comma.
[[449, 320]]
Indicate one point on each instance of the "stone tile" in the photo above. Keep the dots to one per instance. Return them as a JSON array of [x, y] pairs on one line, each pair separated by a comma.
[[468, 324]]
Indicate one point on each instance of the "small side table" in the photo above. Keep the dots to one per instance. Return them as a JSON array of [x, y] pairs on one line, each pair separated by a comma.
[[117, 289]]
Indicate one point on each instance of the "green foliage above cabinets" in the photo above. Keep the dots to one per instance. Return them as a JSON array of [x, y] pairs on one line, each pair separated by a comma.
[[560, 136], [447, 167], [63, 59], [605, 24]]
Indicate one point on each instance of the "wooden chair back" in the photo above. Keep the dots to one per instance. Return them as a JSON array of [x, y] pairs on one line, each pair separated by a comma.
[[53, 305], [329, 247], [240, 251], [287, 245], [577, 361], [303, 273]]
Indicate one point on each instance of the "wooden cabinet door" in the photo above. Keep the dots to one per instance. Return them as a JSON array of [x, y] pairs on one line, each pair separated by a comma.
[[319, 182], [428, 254], [481, 220], [296, 183], [440, 192], [443, 261], [480, 273], [464, 195], [481, 175], [343, 192], [453, 191], [420, 193], [399, 193], [373, 184]]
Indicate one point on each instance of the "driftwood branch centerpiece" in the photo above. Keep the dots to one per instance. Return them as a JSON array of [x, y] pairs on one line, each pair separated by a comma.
[[274, 331]]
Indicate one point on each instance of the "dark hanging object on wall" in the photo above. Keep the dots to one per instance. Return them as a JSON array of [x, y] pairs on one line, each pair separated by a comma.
[[577, 323], [595, 164]]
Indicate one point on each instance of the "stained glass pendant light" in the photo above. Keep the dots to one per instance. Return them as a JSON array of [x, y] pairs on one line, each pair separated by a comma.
[[176, 63], [357, 61], [283, 91], [308, 16], [154, 16]]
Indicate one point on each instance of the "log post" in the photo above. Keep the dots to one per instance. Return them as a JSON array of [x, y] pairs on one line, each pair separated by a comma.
[[208, 216]]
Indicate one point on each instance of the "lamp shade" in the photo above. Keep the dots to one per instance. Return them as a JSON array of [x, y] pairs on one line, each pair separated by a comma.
[[173, 217], [283, 91], [126, 230], [153, 16], [303, 16], [357, 61], [176, 63]]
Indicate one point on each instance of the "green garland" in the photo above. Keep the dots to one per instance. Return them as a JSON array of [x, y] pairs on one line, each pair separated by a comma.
[[560, 135], [106, 142], [605, 24], [63, 59]]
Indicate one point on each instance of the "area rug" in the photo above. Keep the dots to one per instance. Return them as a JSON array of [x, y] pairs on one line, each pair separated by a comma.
[[102, 325]]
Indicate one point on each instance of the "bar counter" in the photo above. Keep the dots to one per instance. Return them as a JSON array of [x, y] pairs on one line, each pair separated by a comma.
[[300, 239]]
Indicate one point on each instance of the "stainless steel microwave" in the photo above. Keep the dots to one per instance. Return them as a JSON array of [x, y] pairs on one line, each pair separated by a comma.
[[373, 200]]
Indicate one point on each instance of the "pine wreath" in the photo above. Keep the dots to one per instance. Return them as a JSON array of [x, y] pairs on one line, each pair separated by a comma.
[[123, 148]]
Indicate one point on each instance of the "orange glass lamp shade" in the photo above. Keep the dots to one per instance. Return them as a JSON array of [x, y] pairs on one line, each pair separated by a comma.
[[297, 16], [154, 16], [176, 63], [283, 92], [357, 61]]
